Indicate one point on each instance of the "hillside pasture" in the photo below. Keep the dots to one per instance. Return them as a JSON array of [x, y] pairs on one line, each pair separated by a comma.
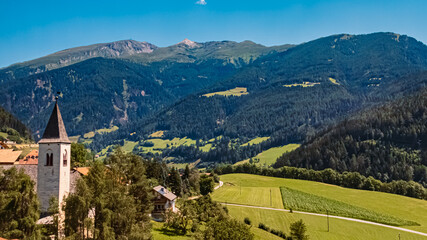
[[268, 157], [397, 206], [317, 227], [304, 84], [158, 134], [306, 202], [257, 140], [238, 91]]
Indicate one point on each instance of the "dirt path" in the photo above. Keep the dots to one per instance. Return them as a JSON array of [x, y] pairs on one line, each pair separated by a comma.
[[331, 216], [220, 185]]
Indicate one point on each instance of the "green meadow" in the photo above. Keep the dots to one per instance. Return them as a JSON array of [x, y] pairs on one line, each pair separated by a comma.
[[268, 157], [255, 190], [306, 202]]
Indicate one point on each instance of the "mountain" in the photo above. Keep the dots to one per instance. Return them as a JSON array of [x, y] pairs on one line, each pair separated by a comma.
[[12, 128], [100, 92], [388, 142], [74, 55], [294, 93]]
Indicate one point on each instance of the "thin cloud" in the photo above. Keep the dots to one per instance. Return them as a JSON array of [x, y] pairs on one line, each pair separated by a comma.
[[201, 2]]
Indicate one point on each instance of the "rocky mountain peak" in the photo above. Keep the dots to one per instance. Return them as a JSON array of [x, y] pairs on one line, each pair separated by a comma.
[[187, 42]]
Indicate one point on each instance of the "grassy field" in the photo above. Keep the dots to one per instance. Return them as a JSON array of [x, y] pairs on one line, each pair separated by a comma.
[[306, 202], [161, 234], [256, 141], [238, 91], [334, 81], [317, 226], [100, 131], [304, 84], [158, 134], [390, 204], [270, 156], [256, 196]]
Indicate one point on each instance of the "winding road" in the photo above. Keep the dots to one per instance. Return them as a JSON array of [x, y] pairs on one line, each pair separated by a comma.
[[331, 216]]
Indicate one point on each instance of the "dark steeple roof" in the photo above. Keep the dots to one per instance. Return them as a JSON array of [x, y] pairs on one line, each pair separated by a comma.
[[55, 130]]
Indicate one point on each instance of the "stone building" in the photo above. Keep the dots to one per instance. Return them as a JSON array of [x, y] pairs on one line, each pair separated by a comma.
[[53, 171]]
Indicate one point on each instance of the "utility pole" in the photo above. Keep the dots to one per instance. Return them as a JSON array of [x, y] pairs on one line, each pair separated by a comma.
[[271, 204], [327, 217]]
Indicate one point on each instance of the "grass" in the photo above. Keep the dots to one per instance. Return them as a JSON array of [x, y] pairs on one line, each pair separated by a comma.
[[255, 196], [160, 144], [306, 202], [238, 91], [128, 146], [316, 226], [161, 234], [100, 131], [394, 205], [158, 134], [304, 84], [256, 141], [334, 81], [270, 156]]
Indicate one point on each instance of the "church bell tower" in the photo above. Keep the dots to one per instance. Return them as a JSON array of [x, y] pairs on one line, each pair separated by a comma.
[[53, 177]]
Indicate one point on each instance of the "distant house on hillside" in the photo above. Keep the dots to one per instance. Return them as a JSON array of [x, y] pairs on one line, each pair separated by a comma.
[[3, 145], [163, 200]]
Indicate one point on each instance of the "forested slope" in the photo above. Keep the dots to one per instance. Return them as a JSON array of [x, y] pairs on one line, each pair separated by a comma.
[[387, 142]]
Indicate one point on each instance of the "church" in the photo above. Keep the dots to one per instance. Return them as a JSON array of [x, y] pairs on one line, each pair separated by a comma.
[[53, 170]]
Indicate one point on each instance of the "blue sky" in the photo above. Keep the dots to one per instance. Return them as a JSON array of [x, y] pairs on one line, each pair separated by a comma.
[[31, 29]]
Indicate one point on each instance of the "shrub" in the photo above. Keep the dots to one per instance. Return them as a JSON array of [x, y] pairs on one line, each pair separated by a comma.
[[247, 221]]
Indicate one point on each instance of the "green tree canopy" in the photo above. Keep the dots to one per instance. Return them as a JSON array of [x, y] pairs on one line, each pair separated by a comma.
[[19, 205]]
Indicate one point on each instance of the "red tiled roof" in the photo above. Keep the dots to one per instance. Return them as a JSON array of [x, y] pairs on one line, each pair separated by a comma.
[[83, 170], [31, 158]]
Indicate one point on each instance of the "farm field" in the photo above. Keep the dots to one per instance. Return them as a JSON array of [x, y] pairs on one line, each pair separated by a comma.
[[306, 202], [410, 209], [87, 137], [256, 141], [317, 226], [238, 91], [270, 156], [304, 84]]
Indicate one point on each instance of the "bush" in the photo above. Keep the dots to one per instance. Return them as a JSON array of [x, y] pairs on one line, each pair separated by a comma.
[[278, 233], [247, 221], [298, 230], [263, 227]]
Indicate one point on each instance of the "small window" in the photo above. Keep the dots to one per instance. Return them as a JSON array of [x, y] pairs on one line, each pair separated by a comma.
[[64, 158], [49, 159]]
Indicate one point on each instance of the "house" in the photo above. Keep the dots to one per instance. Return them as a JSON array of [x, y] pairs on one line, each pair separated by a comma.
[[31, 158], [8, 156], [3, 145], [163, 200]]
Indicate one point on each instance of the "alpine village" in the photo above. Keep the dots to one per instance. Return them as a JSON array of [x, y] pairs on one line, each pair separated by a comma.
[[217, 140]]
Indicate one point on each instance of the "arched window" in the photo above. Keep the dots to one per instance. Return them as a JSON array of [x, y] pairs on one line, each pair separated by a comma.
[[49, 159], [64, 158]]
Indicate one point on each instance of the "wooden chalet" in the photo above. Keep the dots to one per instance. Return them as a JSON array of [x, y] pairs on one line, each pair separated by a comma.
[[163, 200]]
